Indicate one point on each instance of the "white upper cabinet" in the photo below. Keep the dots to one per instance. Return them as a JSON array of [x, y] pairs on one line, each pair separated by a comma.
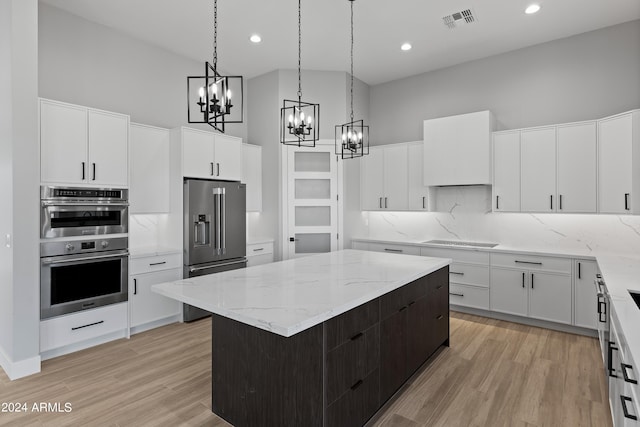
[[538, 170], [619, 163], [108, 148], [212, 156], [252, 176], [149, 170], [457, 149], [384, 178], [577, 153], [418, 192], [506, 171], [80, 145]]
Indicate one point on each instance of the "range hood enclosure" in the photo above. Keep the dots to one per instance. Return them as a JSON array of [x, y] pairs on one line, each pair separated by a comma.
[[457, 149]]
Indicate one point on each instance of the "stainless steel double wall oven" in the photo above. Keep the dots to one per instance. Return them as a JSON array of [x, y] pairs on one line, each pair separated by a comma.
[[83, 248]]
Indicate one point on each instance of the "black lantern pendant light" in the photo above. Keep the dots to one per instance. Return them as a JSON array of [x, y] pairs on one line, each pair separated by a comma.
[[299, 120], [352, 139], [214, 99]]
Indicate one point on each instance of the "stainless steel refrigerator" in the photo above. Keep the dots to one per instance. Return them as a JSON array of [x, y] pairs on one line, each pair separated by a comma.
[[214, 231]]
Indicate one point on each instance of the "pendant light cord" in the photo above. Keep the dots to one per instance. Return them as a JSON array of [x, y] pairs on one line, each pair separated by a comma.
[[299, 51], [351, 1], [215, 35]]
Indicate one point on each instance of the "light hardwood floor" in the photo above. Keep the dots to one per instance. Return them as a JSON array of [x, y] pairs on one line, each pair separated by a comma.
[[494, 374]]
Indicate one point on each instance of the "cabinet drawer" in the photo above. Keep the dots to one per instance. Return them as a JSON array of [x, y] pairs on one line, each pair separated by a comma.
[[468, 274], [532, 262], [343, 328], [352, 361], [399, 299], [469, 296], [155, 263], [77, 327], [356, 406], [256, 249], [457, 255], [394, 248], [259, 260]]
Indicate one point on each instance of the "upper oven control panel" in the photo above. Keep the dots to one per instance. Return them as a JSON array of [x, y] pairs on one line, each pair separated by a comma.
[[62, 194]]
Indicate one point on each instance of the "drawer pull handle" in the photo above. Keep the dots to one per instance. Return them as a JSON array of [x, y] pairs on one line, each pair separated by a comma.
[[86, 326], [135, 286], [528, 262], [624, 373], [356, 336], [439, 317], [393, 250], [258, 250], [438, 287], [456, 272], [456, 294], [403, 308], [89, 304], [624, 400], [411, 303], [157, 263], [356, 385]]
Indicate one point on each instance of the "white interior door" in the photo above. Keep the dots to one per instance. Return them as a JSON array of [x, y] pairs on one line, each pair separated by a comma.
[[312, 205]]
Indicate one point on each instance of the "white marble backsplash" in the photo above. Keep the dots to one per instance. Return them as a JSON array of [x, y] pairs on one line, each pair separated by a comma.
[[150, 231], [464, 213]]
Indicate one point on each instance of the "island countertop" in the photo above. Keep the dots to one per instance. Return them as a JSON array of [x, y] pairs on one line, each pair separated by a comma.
[[291, 296]]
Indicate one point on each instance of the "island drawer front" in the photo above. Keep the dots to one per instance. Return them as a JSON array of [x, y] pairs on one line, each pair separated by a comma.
[[437, 280], [355, 407], [343, 328], [394, 248], [469, 296], [351, 362], [457, 255], [400, 298], [73, 328], [467, 274], [155, 263], [532, 262]]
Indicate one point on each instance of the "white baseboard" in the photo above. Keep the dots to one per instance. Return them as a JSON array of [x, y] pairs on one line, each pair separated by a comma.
[[526, 321], [21, 368]]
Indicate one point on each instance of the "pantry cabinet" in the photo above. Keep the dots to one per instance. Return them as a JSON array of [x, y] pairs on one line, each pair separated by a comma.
[[506, 171], [384, 178], [211, 156], [80, 145], [538, 170], [618, 163]]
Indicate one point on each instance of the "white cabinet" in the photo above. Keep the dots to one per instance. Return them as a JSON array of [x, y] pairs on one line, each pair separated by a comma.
[[585, 294], [149, 170], [506, 171], [394, 248], [457, 149], [418, 192], [149, 309], [538, 170], [577, 168], [80, 145], [539, 288], [619, 163], [210, 155], [252, 176], [259, 253], [384, 178]]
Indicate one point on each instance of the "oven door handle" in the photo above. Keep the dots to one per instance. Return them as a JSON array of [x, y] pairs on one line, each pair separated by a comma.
[[47, 203], [56, 260]]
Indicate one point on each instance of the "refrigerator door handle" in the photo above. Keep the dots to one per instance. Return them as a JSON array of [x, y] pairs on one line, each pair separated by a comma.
[[217, 201], [223, 221]]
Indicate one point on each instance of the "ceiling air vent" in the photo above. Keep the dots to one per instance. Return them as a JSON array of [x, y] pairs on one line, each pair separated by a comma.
[[459, 18]]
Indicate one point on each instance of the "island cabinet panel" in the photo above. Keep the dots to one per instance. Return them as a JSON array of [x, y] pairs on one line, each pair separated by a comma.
[[356, 406], [350, 325], [261, 378]]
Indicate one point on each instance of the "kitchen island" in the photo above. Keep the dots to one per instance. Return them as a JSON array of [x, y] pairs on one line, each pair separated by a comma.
[[320, 340]]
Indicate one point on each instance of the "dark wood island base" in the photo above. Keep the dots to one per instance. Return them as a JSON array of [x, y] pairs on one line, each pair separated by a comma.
[[337, 373]]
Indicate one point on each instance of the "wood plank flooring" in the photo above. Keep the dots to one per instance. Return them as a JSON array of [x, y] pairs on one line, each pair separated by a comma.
[[495, 373]]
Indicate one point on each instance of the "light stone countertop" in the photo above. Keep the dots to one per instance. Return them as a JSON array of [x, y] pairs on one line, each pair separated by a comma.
[[290, 296], [147, 251]]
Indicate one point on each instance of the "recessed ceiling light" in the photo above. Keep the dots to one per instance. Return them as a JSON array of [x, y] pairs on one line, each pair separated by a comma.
[[406, 46], [255, 38], [532, 8]]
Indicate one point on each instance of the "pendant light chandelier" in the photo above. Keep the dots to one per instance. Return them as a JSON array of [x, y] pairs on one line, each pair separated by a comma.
[[299, 120], [214, 99], [352, 139]]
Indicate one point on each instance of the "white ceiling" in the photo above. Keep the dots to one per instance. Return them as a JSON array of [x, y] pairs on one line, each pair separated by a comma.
[[381, 26]]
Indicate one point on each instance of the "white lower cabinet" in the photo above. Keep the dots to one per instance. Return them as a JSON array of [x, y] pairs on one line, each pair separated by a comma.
[[361, 246], [469, 296], [259, 253], [509, 291], [393, 248], [147, 306], [584, 299], [88, 325]]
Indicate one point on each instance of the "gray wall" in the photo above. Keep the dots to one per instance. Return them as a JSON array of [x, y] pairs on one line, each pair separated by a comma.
[[586, 76], [19, 187], [85, 63]]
